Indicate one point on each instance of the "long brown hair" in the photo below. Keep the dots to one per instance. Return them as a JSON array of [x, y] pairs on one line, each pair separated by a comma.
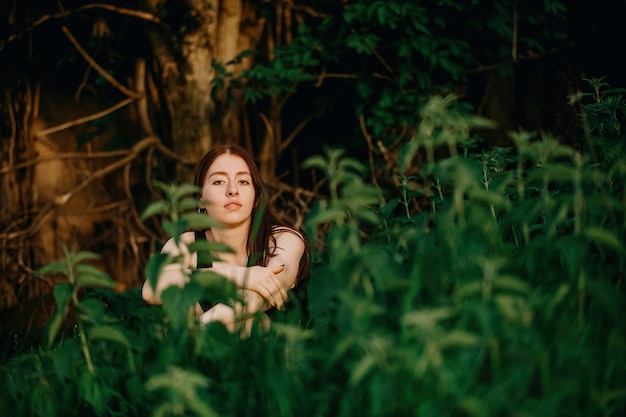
[[265, 220]]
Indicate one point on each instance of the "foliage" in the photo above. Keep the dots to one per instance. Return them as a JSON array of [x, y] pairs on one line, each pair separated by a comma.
[[502, 297], [390, 56]]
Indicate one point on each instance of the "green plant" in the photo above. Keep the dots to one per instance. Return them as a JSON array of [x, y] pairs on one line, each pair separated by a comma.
[[503, 297]]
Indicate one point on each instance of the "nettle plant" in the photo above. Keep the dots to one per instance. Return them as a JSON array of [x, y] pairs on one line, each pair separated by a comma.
[[500, 296]]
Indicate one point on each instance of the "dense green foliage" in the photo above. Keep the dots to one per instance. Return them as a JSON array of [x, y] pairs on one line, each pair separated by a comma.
[[387, 58], [479, 282], [490, 282]]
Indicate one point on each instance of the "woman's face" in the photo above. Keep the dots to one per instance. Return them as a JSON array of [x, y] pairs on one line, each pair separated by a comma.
[[228, 190]]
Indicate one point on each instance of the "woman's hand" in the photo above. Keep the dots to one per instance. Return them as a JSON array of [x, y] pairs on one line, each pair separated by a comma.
[[265, 282]]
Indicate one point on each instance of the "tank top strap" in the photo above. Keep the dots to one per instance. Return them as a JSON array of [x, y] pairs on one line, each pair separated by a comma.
[[203, 261]]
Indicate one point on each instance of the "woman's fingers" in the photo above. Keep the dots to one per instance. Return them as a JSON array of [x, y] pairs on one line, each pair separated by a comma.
[[275, 289], [283, 292], [269, 286], [278, 269]]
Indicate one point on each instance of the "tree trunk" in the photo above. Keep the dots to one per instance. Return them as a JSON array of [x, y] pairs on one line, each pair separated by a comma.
[[199, 117], [185, 74]]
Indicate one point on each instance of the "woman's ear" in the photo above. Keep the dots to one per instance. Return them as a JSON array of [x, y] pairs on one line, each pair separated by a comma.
[[202, 206]]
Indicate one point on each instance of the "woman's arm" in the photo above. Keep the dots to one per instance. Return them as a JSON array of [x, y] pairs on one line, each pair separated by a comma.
[[287, 255], [279, 275], [239, 315], [270, 283], [172, 274]]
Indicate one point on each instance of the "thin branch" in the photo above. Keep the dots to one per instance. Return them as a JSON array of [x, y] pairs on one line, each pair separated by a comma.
[[69, 155], [119, 10], [370, 149], [135, 150], [294, 133], [85, 119], [529, 57], [97, 67]]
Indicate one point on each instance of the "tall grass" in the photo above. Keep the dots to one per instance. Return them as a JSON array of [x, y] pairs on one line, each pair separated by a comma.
[[502, 298]]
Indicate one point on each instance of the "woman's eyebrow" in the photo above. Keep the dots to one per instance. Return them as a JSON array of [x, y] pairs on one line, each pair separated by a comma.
[[226, 174]]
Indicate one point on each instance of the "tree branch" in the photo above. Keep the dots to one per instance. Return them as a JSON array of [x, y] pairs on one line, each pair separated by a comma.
[[119, 10], [97, 67], [85, 119]]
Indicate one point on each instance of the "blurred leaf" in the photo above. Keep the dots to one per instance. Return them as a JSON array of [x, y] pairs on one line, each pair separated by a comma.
[[490, 197], [196, 221], [219, 287], [459, 338], [155, 266], [177, 303], [183, 190], [155, 208], [89, 275], [110, 333], [315, 161], [82, 256], [511, 283], [188, 203], [52, 268], [65, 357], [209, 247], [604, 237], [361, 369], [427, 318], [94, 392]]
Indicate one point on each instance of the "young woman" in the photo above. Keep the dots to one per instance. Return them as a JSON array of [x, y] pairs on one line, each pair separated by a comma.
[[265, 265]]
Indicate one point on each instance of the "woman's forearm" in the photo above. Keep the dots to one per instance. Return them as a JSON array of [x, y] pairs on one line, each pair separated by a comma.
[[171, 275], [240, 311]]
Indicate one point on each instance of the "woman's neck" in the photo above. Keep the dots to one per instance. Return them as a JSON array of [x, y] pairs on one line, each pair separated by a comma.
[[236, 239]]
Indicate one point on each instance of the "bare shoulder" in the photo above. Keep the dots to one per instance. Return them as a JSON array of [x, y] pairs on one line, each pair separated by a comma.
[[288, 238], [170, 246]]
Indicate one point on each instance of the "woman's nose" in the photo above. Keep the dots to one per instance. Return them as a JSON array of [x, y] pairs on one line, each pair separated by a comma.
[[232, 189]]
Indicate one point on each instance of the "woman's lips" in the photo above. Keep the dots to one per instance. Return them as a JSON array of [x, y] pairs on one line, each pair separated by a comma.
[[232, 205]]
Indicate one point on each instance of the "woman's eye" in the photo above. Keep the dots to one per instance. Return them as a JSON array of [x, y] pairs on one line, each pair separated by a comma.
[[218, 182], [244, 182]]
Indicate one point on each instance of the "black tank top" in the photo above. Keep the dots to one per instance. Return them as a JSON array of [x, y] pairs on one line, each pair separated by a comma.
[[200, 235]]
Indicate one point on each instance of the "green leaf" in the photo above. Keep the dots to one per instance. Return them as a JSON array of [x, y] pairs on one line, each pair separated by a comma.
[[155, 266], [208, 250], [82, 256], [198, 221], [178, 301], [176, 228], [390, 207], [53, 268], [361, 369], [63, 295], [218, 287], [315, 161], [64, 358], [490, 197], [90, 276], [511, 283], [331, 214], [188, 203], [427, 318], [459, 338], [185, 189], [604, 237], [54, 325], [93, 392], [111, 334], [156, 208]]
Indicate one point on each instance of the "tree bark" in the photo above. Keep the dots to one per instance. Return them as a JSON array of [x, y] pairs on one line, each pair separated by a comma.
[[186, 75]]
